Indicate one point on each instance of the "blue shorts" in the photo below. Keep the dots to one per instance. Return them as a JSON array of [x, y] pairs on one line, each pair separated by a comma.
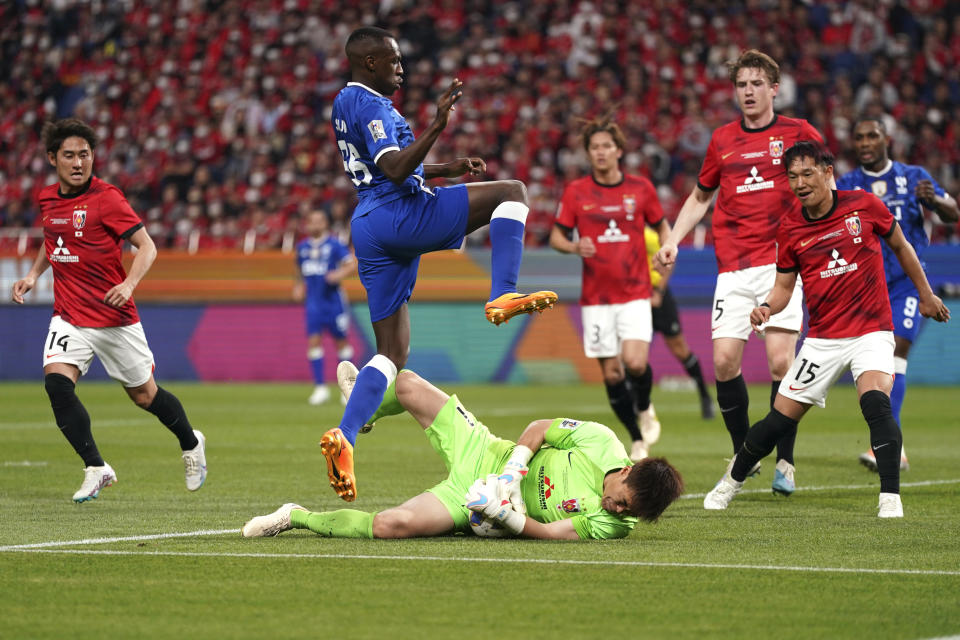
[[334, 324], [389, 240], [904, 302]]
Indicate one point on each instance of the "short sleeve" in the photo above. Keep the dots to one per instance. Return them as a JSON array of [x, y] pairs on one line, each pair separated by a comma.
[[882, 218], [809, 132], [567, 210], [117, 214], [786, 256], [602, 526], [709, 178], [595, 441], [378, 128], [653, 212]]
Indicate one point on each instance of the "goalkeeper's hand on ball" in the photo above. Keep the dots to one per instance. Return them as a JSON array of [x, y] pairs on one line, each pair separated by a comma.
[[514, 471], [487, 497]]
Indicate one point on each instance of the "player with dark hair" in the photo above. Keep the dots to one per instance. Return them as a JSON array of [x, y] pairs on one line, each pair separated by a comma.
[[398, 218], [666, 322], [322, 264], [85, 222], [743, 165], [833, 242], [567, 479], [609, 210], [905, 189]]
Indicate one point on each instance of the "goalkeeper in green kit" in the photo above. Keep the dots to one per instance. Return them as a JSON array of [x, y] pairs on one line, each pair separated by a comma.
[[562, 480]]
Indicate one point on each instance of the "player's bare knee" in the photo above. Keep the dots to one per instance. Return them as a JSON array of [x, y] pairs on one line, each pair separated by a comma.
[[408, 384], [635, 366], [514, 191], [392, 523], [143, 398]]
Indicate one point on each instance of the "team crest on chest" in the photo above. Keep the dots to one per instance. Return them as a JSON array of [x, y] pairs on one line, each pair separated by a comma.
[[629, 206], [79, 218], [879, 188], [776, 151], [853, 225]]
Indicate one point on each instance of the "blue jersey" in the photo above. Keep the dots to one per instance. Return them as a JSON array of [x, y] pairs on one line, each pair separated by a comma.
[[895, 186], [366, 126], [315, 258]]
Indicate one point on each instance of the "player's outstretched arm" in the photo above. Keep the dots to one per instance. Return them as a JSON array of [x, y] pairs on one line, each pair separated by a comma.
[[930, 305], [945, 207], [398, 165], [146, 254], [776, 301], [559, 530], [26, 283], [691, 213]]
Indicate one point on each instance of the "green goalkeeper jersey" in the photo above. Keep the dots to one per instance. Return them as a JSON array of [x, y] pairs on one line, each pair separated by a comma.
[[566, 478]]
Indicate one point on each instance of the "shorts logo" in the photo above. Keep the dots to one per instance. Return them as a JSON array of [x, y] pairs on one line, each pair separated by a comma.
[[879, 188], [569, 506], [613, 234], [792, 388], [79, 218], [853, 225], [376, 130]]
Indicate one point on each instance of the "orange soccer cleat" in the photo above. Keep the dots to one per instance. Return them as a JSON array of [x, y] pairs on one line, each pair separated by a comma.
[[339, 454], [509, 305]]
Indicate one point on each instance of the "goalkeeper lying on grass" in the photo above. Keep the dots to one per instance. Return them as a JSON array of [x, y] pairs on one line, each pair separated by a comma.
[[562, 480]]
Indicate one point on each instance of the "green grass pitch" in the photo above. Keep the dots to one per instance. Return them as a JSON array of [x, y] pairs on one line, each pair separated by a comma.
[[819, 564]]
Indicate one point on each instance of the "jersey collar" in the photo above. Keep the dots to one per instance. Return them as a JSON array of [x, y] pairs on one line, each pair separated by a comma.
[[82, 191], [363, 86], [877, 174], [743, 125], [828, 214]]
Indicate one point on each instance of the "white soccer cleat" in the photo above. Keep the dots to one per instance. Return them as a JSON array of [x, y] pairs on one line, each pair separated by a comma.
[[649, 426], [320, 395], [890, 506], [94, 479], [721, 495], [783, 478], [195, 463], [346, 379], [271, 524], [638, 451]]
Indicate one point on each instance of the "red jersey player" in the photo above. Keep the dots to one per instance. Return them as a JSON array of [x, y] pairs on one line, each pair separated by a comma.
[[610, 210], [743, 165], [833, 243], [85, 222]]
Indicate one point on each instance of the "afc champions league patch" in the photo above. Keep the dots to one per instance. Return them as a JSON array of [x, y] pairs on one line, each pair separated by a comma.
[[79, 218], [853, 225], [376, 130], [879, 188], [571, 505], [629, 205]]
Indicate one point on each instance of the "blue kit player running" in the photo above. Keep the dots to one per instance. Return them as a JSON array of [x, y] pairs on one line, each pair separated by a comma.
[[322, 264], [398, 218], [903, 188]]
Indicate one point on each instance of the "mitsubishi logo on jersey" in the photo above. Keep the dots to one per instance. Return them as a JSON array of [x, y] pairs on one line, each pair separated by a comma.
[[754, 182], [837, 266], [62, 254], [613, 234]]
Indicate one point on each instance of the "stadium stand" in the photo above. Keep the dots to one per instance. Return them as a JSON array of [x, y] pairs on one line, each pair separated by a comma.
[[214, 115]]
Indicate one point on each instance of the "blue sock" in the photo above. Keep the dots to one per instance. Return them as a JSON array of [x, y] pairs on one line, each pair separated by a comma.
[[372, 382], [896, 395], [506, 243], [316, 365]]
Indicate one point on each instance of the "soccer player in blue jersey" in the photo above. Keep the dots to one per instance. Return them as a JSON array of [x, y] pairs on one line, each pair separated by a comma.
[[905, 189], [398, 218], [322, 263]]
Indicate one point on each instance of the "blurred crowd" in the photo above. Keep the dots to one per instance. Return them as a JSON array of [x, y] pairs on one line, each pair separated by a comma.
[[213, 116]]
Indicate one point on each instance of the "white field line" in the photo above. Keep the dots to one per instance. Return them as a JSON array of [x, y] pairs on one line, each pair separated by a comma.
[[541, 561], [50, 424], [25, 463], [837, 487]]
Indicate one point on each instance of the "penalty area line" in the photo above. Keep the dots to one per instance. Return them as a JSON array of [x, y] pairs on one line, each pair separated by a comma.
[[540, 561]]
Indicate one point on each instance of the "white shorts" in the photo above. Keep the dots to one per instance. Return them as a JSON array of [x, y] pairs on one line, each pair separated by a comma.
[[740, 292], [822, 361], [605, 326], [122, 350]]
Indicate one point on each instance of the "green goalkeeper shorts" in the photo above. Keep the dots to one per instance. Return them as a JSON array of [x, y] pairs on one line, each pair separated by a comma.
[[469, 451]]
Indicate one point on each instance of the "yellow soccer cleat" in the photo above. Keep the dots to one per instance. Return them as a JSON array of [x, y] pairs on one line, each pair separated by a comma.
[[509, 305], [339, 454]]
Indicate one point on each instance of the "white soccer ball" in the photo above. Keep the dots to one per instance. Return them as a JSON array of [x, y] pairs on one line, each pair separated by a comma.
[[485, 527]]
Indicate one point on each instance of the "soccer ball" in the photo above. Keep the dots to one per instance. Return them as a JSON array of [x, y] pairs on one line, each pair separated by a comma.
[[485, 527]]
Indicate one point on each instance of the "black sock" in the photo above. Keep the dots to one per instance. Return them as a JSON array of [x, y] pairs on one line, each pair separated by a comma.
[[760, 441], [168, 409], [785, 445], [621, 401], [734, 402], [692, 367], [642, 385], [885, 438], [72, 418]]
